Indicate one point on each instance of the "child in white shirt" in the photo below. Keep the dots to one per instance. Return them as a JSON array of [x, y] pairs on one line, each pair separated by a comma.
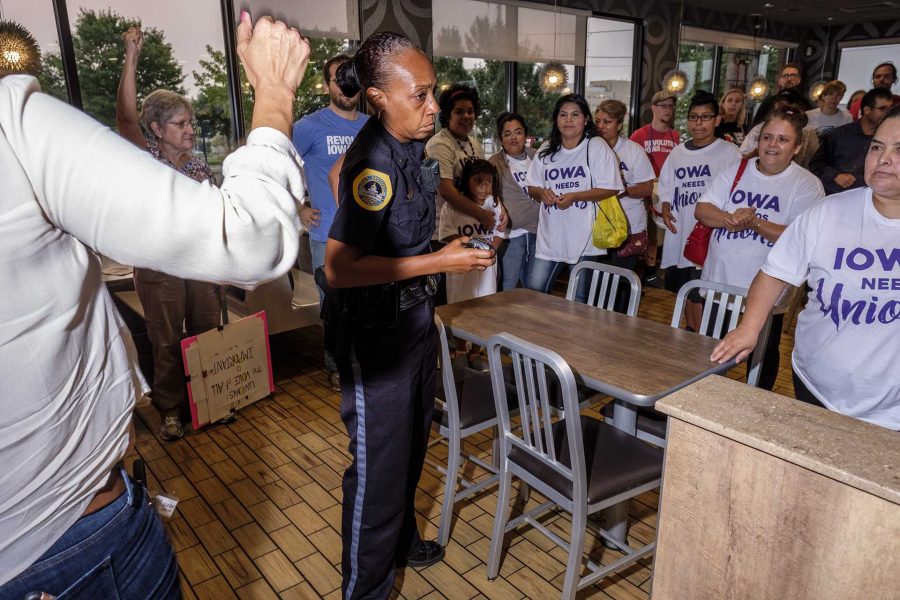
[[480, 184]]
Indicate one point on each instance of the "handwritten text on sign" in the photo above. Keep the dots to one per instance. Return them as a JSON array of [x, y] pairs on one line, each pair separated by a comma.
[[235, 366]]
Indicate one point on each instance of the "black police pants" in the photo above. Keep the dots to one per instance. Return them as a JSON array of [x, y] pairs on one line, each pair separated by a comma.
[[387, 400]]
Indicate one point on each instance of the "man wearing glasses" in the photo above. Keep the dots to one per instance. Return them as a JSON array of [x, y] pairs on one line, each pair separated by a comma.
[[840, 159], [884, 76], [658, 138], [788, 83]]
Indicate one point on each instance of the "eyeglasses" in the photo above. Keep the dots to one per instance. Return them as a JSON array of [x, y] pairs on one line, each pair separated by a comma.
[[704, 118], [183, 124], [791, 75], [669, 105], [511, 132]]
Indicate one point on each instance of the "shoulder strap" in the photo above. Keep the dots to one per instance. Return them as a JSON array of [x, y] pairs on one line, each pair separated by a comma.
[[740, 172]]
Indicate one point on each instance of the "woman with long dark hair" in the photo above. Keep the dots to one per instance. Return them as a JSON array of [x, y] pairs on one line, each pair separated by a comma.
[[380, 326], [571, 172]]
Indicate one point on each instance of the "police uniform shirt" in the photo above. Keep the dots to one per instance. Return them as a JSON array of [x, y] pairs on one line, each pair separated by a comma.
[[383, 209]]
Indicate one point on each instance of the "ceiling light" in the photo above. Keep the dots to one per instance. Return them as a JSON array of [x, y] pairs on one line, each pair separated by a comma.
[[19, 52]]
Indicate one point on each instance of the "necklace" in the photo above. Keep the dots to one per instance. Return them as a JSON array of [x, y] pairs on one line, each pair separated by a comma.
[[471, 152]]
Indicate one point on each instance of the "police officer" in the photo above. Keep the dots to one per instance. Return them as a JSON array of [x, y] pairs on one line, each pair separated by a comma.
[[379, 311]]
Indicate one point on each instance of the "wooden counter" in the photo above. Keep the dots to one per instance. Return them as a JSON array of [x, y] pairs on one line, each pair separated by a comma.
[[765, 497]]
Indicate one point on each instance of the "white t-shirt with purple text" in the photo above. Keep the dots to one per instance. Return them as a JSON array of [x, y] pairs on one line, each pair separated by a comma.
[[636, 168], [565, 235], [735, 257], [847, 340], [475, 283], [682, 181]]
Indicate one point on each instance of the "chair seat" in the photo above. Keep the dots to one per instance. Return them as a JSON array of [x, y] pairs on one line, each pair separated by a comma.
[[474, 394], [649, 420], [614, 461]]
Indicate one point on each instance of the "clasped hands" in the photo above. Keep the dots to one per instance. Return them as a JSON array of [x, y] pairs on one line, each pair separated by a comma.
[[550, 198], [741, 219]]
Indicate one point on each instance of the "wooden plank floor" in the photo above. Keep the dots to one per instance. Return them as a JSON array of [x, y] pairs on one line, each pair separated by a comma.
[[259, 515]]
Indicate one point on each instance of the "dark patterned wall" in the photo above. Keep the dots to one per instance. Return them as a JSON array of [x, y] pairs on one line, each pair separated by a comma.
[[409, 17], [816, 39]]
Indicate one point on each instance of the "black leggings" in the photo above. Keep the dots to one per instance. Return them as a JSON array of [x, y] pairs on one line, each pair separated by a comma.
[[802, 393]]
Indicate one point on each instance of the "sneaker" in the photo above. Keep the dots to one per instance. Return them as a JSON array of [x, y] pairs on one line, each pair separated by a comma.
[[425, 554], [170, 429], [654, 281], [335, 380]]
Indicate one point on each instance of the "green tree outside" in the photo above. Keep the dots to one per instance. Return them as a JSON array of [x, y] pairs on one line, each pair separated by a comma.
[[99, 54], [51, 77]]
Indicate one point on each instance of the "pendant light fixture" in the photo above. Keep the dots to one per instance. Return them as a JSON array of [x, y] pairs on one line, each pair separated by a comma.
[[676, 81], [553, 75], [759, 87], [815, 89], [19, 52]]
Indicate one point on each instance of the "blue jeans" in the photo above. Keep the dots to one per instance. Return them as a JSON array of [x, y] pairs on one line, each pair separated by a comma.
[[317, 250], [516, 256], [543, 276], [119, 552]]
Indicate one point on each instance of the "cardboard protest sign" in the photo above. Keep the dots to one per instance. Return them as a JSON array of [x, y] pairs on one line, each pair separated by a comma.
[[228, 368]]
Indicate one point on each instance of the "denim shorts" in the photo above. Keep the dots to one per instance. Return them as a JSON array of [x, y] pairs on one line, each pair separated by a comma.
[[119, 552]]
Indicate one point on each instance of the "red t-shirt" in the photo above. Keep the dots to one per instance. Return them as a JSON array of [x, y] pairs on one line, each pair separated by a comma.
[[656, 144], [855, 107]]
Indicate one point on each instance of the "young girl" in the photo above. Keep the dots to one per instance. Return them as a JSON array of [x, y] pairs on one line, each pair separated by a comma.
[[480, 184]]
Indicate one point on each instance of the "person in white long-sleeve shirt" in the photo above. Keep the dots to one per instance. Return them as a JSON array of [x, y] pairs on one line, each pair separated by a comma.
[[72, 187]]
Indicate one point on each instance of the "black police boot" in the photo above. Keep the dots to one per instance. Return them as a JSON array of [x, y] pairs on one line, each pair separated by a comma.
[[425, 554]]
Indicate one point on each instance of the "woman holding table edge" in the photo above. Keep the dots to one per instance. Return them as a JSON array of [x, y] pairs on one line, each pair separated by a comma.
[[845, 248]]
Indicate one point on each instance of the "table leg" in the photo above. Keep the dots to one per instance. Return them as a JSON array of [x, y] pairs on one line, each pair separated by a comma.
[[615, 518]]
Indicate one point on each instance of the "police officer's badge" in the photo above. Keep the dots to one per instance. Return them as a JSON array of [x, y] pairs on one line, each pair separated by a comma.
[[372, 189]]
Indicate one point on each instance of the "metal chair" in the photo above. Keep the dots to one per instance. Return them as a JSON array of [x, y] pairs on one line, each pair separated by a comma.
[[722, 307], [604, 287], [581, 464], [464, 406]]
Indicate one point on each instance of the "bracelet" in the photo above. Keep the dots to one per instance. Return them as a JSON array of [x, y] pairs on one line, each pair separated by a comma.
[[758, 223]]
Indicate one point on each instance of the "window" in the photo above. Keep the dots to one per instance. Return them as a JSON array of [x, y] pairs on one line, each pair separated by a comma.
[[37, 17], [609, 62], [715, 61], [486, 76], [183, 51], [696, 60], [535, 104]]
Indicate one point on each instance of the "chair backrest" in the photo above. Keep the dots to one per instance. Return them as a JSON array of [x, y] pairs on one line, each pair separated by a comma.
[[449, 403], [536, 436], [722, 306], [605, 282]]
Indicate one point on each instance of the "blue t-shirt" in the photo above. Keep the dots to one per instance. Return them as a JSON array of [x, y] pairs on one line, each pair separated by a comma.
[[321, 138]]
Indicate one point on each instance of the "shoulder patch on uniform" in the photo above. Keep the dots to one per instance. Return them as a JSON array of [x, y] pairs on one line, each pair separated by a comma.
[[372, 189]]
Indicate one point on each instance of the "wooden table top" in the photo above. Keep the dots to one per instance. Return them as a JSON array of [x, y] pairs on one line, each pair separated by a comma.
[[633, 359]]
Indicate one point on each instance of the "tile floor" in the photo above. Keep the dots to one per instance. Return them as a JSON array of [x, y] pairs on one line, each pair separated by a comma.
[[259, 512]]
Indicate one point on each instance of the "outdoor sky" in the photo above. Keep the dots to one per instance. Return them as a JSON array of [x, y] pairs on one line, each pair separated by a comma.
[[188, 25]]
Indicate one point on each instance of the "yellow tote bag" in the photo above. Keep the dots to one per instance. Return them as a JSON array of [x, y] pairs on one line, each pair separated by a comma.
[[610, 225]]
